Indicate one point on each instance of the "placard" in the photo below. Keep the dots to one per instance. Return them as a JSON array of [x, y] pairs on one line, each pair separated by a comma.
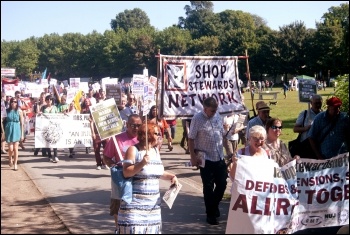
[[107, 118]]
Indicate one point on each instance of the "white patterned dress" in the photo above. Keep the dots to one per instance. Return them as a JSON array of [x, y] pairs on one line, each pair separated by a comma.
[[143, 214]]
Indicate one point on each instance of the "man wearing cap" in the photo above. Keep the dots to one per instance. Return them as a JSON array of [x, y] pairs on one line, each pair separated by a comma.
[[329, 131], [261, 118]]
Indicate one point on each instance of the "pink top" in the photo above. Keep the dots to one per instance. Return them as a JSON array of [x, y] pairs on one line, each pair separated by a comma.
[[124, 142]]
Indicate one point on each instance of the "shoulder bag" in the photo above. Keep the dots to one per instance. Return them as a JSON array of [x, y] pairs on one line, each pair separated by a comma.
[[294, 145], [124, 185]]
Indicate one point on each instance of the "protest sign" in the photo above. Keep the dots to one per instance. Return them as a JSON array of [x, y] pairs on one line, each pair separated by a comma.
[[106, 118], [266, 198], [114, 91], [307, 88], [74, 83], [188, 80], [62, 130], [34, 88], [138, 83]]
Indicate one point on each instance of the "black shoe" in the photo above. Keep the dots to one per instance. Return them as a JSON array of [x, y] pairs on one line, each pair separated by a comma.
[[212, 221], [70, 156]]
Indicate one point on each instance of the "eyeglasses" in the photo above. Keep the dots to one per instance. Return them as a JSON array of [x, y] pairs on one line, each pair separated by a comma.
[[277, 127], [157, 134], [135, 125], [256, 139]]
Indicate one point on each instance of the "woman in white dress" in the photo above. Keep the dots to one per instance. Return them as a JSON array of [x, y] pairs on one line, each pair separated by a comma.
[[143, 214]]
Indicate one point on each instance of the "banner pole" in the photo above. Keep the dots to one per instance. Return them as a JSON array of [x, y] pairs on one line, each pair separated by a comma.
[[249, 81]]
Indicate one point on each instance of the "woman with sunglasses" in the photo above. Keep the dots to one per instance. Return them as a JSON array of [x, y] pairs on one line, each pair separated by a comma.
[[14, 131], [277, 149]]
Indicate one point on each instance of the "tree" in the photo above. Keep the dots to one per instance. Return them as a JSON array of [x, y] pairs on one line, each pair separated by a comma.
[[200, 19], [332, 40], [290, 51], [24, 57], [129, 19], [173, 41]]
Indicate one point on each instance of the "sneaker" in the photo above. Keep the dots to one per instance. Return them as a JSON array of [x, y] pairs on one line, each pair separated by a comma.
[[98, 168], [105, 167], [51, 159], [56, 159], [116, 231]]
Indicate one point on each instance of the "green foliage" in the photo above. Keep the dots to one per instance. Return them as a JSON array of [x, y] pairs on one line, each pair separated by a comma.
[[133, 43], [129, 19], [342, 91]]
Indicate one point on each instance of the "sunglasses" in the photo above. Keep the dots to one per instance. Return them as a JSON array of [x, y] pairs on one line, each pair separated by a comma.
[[277, 127], [135, 125], [157, 134], [14, 101]]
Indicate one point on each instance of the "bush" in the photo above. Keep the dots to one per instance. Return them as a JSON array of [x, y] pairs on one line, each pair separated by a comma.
[[342, 91]]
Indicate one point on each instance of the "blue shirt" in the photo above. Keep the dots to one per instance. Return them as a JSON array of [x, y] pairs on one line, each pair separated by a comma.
[[207, 134], [333, 143]]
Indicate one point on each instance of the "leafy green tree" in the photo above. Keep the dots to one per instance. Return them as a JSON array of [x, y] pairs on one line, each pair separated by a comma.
[[135, 18], [200, 19], [173, 41], [205, 46], [342, 91], [138, 52], [332, 40], [24, 57], [51, 54], [6, 50], [238, 32], [290, 51]]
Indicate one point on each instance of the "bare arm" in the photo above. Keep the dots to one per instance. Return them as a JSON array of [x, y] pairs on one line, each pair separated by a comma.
[[21, 120], [130, 169], [167, 176], [233, 167], [301, 129]]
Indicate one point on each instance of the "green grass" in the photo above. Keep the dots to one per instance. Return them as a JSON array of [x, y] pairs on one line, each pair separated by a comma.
[[286, 109]]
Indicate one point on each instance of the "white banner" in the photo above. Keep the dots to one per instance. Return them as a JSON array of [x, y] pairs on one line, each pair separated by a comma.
[[62, 130], [309, 194], [188, 80]]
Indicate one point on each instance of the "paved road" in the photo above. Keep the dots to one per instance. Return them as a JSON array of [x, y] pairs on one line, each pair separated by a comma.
[[79, 194]]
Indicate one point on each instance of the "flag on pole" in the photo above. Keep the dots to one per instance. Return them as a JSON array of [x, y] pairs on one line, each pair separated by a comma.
[[43, 76]]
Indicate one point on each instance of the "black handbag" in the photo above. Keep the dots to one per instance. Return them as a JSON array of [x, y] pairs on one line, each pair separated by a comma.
[[295, 145]]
